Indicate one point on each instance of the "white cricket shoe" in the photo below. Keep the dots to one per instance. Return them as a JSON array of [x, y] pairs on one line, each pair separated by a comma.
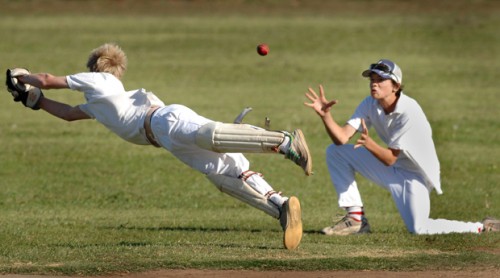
[[348, 226], [491, 225], [298, 151]]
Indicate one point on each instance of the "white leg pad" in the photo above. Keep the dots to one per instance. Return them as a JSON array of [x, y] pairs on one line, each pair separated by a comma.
[[238, 138], [240, 190]]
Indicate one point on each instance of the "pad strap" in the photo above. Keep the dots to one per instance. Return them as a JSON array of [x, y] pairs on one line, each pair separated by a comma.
[[240, 190], [248, 173]]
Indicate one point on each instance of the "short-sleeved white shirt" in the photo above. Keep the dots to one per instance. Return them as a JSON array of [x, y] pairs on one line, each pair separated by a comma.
[[406, 129], [121, 111]]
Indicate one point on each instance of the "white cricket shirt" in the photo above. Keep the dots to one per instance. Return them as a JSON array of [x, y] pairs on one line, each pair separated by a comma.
[[406, 129], [121, 111]]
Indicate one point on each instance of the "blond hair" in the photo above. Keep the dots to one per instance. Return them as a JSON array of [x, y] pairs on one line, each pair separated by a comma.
[[108, 58]]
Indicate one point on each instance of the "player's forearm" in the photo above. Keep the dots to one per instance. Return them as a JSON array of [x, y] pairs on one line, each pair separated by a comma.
[[44, 81], [335, 131], [55, 108], [60, 110], [385, 155]]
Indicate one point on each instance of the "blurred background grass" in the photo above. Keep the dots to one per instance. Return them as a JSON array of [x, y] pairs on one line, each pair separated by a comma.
[[77, 199]]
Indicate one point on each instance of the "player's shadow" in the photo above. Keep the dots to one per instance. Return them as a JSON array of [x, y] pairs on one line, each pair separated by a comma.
[[198, 229], [312, 232], [145, 244], [183, 229], [172, 229]]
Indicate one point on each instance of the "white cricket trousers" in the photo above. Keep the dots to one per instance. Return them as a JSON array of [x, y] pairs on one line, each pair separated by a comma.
[[407, 189], [175, 127]]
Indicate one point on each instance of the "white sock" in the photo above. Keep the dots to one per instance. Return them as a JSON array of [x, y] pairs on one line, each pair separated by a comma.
[[285, 145], [355, 213], [277, 199]]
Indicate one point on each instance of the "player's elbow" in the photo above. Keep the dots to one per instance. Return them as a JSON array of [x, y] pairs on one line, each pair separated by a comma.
[[389, 161], [386, 163], [68, 118], [340, 142], [392, 157], [343, 136]]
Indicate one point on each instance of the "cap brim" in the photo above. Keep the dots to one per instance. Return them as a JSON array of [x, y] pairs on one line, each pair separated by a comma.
[[380, 73]]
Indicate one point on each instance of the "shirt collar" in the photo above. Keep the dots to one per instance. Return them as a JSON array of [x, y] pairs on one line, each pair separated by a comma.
[[401, 104]]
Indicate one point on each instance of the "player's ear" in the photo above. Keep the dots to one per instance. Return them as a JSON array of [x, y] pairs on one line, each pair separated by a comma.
[[395, 86]]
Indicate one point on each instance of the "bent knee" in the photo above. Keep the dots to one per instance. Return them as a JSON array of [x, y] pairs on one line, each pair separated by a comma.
[[333, 151]]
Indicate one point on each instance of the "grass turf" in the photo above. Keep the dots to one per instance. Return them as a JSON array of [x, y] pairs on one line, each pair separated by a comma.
[[76, 199]]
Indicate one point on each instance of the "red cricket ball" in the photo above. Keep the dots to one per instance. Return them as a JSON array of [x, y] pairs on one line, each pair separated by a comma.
[[263, 49]]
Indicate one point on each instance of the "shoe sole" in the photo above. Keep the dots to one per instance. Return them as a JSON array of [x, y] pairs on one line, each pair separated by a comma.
[[344, 232], [347, 231], [293, 231], [304, 148]]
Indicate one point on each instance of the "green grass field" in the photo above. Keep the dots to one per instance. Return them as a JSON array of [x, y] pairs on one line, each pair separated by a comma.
[[76, 199]]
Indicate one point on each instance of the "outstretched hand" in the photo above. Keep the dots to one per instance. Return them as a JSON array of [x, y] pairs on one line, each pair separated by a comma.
[[319, 103], [364, 138]]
